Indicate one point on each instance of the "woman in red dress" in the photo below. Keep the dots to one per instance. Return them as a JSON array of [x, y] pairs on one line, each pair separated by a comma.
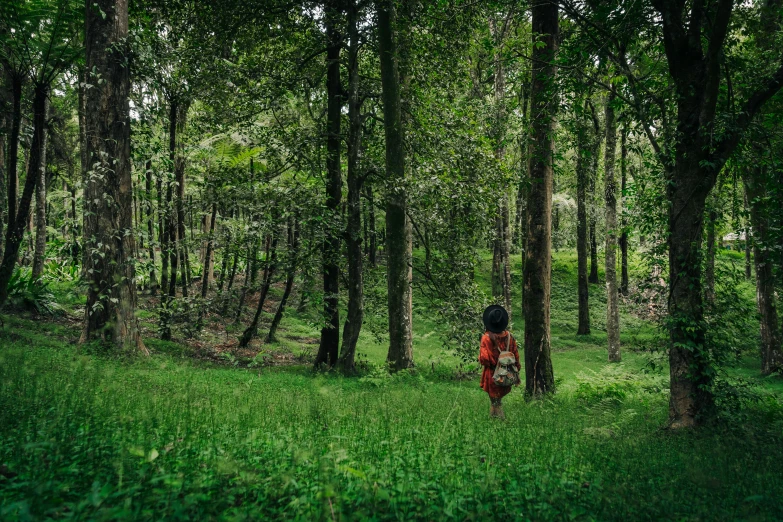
[[496, 339]]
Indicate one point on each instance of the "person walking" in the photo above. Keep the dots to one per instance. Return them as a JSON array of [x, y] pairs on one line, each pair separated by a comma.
[[500, 358]]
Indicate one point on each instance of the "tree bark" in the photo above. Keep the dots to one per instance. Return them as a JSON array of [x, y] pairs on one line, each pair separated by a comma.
[[355, 314], [539, 375], [3, 186], [269, 270], [293, 245], [582, 180], [150, 227], [179, 176], [398, 228], [612, 294], [709, 275], [763, 254], [592, 211], [624, 221], [111, 298], [39, 255], [209, 253], [15, 231], [373, 247], [330, 332], [13, 148]]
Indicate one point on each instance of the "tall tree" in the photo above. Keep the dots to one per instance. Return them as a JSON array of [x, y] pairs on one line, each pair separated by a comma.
[[330, 332], [398, 227], [355, 316], [110, 313], [694, 40], [584, 140], [610, 182], [539, 376]]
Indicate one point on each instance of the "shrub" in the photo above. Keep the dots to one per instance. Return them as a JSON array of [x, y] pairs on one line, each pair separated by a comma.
[[28, 294]]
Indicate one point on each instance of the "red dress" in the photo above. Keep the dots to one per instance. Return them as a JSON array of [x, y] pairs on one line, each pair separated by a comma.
[[488, 358]]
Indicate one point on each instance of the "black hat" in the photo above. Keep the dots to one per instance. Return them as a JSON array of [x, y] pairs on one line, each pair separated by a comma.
[[495, 318]]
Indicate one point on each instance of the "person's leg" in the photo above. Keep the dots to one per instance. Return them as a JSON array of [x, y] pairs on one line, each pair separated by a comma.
[[499, 411], [495, 410]]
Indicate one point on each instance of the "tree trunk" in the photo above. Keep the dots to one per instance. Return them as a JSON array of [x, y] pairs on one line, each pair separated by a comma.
[[111, 298], [771, 352], [13, 149], [83, 157], [592, 211], [709, 275], [179, 176], [15, 231], [624, 221], [582, 175], [39, 255], [398, 228], [748, 263], [539, 376], [612, 294], [3, 191], [330, 332], [150, 227], [373, 247], [293, 245], [269, 270], [355, 314], [209, 253]]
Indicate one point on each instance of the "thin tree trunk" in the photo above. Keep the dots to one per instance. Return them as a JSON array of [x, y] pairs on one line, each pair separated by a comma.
[[539, 375], [373, 247], [709, 272], [592, 211], [179, 175], [269, 270], [293, 245], [111, 298], [83, 157], [3, 186], [398, 228], [355, 314], [582, 175], [15, 232], [39, 254], [150, 227], [624, 221], [209, 252], [748, 263], [13, 148], [610, 182], [246, 285], [330, 332]]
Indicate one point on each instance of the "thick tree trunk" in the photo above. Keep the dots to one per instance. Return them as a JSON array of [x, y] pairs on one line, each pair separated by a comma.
[[39, 255], [111, 299], [539, 376], [612, 310], [269, 271], [623, 222], [771, 351], [330, 332], [398, 228], [582, 247], [15, 231], [293, 245], [355, 315]]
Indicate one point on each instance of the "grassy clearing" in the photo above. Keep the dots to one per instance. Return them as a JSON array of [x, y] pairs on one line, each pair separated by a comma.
[[84, 435]]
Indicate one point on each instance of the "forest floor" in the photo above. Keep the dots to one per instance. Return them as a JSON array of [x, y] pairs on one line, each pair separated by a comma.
[[203, 431]]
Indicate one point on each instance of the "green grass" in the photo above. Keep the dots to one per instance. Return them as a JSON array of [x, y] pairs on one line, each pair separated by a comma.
[[89, 436]]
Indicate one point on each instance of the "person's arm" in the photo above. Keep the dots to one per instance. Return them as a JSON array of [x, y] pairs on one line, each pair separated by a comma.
[[485, 353]]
